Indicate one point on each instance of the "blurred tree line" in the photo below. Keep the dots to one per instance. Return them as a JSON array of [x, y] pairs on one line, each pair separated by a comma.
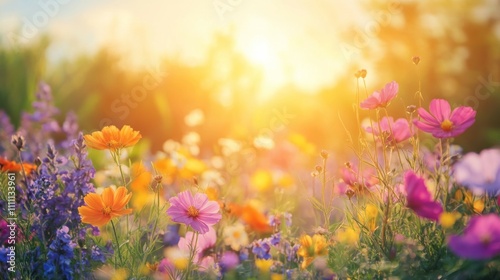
[[460, 59]]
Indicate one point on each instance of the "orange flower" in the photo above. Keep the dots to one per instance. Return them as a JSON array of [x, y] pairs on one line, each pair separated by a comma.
[[110, 137], [100, 209], [12, 166], [252, 217]]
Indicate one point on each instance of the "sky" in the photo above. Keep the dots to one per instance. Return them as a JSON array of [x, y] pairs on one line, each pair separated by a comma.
[[291, 40]]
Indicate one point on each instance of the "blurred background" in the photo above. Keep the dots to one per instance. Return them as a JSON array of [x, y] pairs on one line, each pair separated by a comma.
[[251, 67]]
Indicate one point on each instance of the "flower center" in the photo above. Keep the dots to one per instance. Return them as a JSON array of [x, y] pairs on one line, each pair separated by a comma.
[[447, 125], [192, 212], [236, 234], [106, 210], [485, 239]]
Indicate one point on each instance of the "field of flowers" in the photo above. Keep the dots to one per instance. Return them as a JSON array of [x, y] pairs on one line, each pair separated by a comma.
[[98, 205]]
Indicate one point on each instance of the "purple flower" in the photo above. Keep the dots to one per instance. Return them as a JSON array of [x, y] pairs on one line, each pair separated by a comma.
[[441, 122], [228, 261], [275, 239], [480, 240], [479, 172], [262, 249], [171, 237], [60, 256], [419, 199]]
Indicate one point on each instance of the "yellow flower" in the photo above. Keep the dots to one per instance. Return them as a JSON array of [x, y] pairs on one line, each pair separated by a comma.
[[141, 181], [113, 139], [473, 202], [276, 276], [312, 247], [348, 235], [264, 266], [369, 217], [448, 219], [371, 211], [100, 209], [261, 180], [120, 274]]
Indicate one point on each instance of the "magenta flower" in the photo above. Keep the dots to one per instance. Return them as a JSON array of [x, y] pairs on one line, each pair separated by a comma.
[[204, 242], [480, 240], [393, 131], [195, 211], [419, 199], [381, 99], [479, 172], [441, 122]]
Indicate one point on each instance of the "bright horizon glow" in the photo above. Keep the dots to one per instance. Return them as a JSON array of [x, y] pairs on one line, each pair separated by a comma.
[[292, 43]]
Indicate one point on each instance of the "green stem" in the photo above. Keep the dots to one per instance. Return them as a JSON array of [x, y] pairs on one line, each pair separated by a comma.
[[117, 243]]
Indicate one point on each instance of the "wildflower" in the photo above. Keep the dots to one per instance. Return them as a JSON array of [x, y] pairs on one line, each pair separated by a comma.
[[228, 261], [262, 249], [349, 236], [235, 236], [394, 132], [264, 266], [419, 199], [165, 266], [312, 247], [447, 219], [262, 180], [252, 217], [200, 248], [369, 217], [178, 257], [60, 255], [100, 209], [381, 99], [12, 166], [195, 211], [479, 172], [480, 240], [441, 122], [171, 236], [356, 180], [113, 139]]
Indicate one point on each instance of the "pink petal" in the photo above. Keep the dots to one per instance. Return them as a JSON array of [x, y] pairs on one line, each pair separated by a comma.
[[440, 108]]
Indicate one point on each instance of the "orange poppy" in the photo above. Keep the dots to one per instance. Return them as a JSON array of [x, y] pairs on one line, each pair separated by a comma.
[[112, 138], [12, 166], [100, 209]]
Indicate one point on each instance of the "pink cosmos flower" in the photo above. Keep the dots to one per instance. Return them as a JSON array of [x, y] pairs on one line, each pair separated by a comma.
[[393, 131], [479, 172], [356, 181], [441, 122], [481, 238], [381, 99], [204, 242], [419, 199], [195, 211]]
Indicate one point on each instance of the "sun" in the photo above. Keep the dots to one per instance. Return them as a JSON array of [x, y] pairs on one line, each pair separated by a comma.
[[260, 53]]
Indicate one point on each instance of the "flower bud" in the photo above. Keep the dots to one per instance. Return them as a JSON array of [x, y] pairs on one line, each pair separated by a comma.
[[415, 59], [362, 73], [410, 109], [324, 154], [18, 141]]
